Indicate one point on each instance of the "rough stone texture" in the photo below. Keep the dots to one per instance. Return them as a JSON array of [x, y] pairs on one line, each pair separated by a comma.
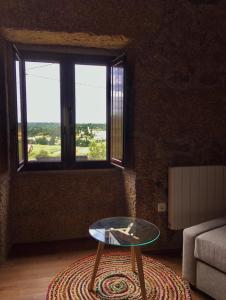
[[3, 121], [130, 192], [62, 205], [4, 216], [4, 175], [178, 101]]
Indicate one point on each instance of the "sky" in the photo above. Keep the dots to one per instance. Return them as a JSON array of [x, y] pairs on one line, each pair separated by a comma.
[[43, 92]]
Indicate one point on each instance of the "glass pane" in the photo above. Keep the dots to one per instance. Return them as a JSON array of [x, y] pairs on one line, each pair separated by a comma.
[[124, 231], [117, 113], [19, 125], [43, 111], [90, 95]]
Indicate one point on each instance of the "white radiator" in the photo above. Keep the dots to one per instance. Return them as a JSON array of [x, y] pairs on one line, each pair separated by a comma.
[[196, 194]]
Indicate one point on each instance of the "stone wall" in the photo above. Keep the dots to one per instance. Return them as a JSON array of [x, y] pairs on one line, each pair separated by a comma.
[[130, 192], [57, 205], [4, 216], [178, 103], [4, 174], [3, 119]]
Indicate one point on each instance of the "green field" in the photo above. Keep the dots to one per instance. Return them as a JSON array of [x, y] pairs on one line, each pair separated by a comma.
[[53, 151]]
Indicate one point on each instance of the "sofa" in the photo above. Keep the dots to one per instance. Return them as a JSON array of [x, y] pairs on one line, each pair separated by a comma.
[[204, 257]]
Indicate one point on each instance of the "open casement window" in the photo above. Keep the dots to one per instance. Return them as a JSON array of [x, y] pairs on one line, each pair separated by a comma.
[[13, 69], [118, 109], [68, 109], [21, 109]]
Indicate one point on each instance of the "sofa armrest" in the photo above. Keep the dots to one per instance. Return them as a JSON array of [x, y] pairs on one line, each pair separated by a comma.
[[189, 235]]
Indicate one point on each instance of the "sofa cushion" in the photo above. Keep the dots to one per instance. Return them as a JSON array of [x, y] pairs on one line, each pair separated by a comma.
[[210, 247]]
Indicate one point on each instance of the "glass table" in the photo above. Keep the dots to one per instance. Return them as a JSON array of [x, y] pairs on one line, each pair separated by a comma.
[[124, 232]]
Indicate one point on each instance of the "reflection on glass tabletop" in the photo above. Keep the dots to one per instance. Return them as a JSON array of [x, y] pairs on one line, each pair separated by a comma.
[[124, 231]]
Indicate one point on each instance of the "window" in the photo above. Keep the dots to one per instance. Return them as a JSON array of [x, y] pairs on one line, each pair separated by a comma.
[[70, 110], [19, 119]]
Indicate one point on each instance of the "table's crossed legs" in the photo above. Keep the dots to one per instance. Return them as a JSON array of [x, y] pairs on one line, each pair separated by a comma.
[[136, 257]]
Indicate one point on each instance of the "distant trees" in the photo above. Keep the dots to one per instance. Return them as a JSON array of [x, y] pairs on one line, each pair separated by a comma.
[[49, 133], [84, 134], [52, 140], [42, 140], [43, 129], [97, 150], [90, 136]]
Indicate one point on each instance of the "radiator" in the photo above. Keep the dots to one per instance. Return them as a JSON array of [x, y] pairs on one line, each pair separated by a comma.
[[196, 194]]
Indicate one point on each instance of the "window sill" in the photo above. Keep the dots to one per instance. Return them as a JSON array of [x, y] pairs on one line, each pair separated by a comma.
[[111, 169]]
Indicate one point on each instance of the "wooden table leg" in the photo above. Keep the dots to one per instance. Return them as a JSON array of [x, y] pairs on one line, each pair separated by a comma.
[[140, 272], [96, 265], [133, 259]]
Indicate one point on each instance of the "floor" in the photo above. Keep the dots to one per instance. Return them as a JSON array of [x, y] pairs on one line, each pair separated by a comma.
[[30, 268]]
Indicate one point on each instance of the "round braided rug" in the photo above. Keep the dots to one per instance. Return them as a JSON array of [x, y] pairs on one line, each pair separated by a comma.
[[115, 280]]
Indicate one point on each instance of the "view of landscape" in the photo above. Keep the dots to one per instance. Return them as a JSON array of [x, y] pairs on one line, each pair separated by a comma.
[[90, 95], [44, 141], [43, 112]]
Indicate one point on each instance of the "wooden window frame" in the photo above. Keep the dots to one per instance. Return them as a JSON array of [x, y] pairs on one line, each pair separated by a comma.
[[117, 62], [67, 62]]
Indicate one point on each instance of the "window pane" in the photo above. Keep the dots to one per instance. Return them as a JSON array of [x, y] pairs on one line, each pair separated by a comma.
[[19, 125], [117, 98], [90, 95], [43, 111]]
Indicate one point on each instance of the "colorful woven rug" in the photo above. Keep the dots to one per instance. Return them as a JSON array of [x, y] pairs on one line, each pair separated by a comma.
[[115, 280]]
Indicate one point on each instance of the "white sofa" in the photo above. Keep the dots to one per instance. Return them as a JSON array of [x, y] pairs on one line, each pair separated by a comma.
[[204, 257]]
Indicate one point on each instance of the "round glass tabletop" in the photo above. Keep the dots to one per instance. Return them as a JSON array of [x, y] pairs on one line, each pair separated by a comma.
[[124, 231]]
